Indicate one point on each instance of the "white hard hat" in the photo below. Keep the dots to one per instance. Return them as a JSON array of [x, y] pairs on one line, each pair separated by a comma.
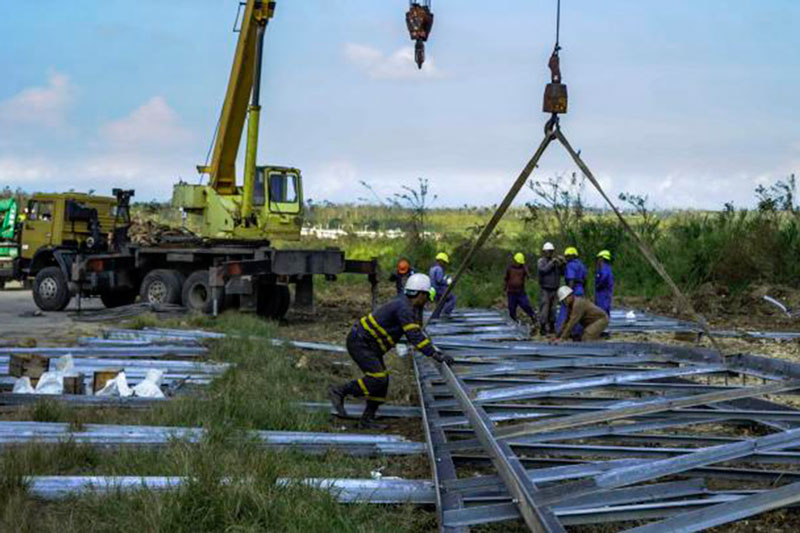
[[563, 292], [548, 247], [418, 283]]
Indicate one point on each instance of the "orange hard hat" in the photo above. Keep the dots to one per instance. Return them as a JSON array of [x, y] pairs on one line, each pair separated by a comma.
[[403, 266]]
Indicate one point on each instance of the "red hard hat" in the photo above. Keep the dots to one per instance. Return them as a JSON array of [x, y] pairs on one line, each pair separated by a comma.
[[403, 266]]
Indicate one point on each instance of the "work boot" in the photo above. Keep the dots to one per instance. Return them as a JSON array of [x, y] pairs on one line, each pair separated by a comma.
[[337, 396], [367, 420], [542, 331]]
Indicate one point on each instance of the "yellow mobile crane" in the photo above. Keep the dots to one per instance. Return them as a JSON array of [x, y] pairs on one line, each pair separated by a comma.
[[269, 203], [231, 261]]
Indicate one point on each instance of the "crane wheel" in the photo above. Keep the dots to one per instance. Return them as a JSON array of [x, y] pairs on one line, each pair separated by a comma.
[[50, 289], [197, 295], [273, 301], [118, 298], [162, 286]]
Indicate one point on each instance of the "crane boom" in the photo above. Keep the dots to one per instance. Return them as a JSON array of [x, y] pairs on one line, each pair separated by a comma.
[[222, 169]]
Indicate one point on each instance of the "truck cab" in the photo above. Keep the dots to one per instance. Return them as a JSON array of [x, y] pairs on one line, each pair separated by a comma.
[[57, 228]]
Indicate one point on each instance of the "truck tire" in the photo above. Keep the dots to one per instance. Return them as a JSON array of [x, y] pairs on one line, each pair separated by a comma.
[[284, 301], [273, 301], [118, 298], [196, 293], [50, 289], [162, 286]]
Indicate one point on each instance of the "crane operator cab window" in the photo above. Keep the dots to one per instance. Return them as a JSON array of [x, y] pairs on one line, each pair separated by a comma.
[[283, 192]]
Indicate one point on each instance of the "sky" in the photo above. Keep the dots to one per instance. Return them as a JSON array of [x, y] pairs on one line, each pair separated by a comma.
[[693, 103]]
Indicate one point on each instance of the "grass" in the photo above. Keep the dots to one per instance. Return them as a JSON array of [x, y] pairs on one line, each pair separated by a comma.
[[232, 480]]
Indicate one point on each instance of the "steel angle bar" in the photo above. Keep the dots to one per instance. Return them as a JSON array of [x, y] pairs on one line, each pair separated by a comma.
[[7, 398], [355, 409], [657, 405], [313, 346], [59, 487], [441, 463], [725, 513], [732, 473], [639, 494], [12, 433], [609, 431], [541, 475], [533, 391], [129, 343], [484, 514], [515, 367], [377, 491], [664, 467], [510, 469], [662, 452], [110, 351]]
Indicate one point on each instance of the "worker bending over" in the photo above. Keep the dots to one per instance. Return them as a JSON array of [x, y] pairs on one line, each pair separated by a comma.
[[402, 272], [581, 311], [377, 333], [604, 282], [514, 283], [440, 280], [550, 268], [574, 278]]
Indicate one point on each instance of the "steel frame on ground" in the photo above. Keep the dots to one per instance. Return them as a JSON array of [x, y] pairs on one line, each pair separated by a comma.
[[608, 432]]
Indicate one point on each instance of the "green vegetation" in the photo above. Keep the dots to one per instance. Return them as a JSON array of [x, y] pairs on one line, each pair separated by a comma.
[[731, 248], [232, 483]]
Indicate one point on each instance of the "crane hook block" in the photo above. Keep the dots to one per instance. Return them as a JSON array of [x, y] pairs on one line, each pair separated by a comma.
[[419, 21], [555, 98]]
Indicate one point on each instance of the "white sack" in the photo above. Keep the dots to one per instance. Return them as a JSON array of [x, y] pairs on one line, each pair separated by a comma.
[[118, 386], [51, 383], [23, 386], [151, 386]]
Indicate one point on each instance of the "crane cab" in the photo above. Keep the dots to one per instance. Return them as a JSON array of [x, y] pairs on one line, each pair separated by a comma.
[[276, 211]]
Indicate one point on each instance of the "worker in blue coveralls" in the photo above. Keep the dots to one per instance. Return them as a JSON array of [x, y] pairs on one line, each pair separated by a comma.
[[574, 278], [439, 281], [604, 282]]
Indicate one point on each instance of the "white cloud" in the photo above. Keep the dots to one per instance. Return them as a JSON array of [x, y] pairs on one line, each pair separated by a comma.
[[16, 170], [154, 123], [39, 106], [398, 65]]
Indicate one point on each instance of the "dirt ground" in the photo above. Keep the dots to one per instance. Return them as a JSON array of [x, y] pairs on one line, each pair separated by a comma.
[[20, 319]]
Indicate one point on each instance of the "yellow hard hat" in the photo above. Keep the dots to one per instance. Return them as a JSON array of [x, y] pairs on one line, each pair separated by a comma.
[[519, 258], [571, 251], [605, 254], [441, 256]]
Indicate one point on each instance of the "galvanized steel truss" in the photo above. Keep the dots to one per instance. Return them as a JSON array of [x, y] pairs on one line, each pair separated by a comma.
[[606, 432]]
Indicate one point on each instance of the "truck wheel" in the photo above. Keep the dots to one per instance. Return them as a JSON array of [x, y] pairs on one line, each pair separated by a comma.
[[196, 294], [118, 298], [273, 301], [162, 287], [284, 301], [50, 290]]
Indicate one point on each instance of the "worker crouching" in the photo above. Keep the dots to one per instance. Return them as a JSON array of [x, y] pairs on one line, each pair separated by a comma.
[[581, 311], [377, 333]]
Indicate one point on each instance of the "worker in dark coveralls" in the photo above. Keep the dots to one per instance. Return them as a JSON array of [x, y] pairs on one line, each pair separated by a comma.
[[377, 333], [514, 282]]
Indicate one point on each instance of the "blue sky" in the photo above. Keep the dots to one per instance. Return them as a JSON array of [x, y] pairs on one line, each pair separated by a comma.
[[691, 102]]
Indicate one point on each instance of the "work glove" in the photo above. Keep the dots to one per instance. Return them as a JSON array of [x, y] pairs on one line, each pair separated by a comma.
[[448, 280], [443, 358]]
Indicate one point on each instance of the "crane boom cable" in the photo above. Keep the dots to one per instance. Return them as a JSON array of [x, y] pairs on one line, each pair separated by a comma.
[[558, 25]]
